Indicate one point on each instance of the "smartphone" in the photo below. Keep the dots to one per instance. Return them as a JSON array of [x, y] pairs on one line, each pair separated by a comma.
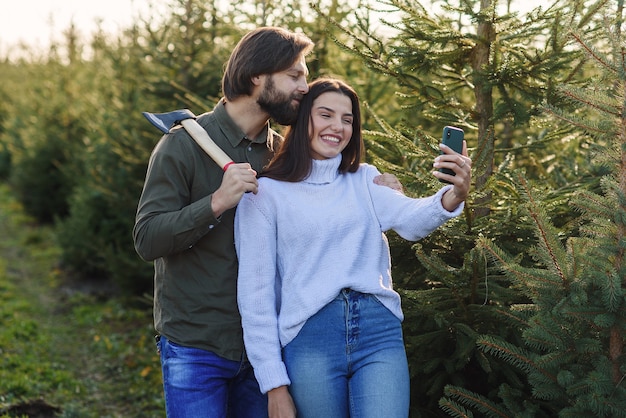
[[452, 137]]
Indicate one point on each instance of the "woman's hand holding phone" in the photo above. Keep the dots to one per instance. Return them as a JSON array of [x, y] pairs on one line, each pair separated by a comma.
[[454, 167]]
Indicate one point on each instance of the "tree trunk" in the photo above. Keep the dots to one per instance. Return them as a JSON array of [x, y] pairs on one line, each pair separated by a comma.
[[484, 105]]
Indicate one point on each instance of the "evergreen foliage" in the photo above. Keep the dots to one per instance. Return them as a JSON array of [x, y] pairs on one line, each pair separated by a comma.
[[574, 322], [487, 70], [5, 154], [522, 339], [45, 126], [184, 53]]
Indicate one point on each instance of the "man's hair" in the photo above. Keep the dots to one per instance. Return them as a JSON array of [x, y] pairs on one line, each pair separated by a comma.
[[265, 50], [292, 162]]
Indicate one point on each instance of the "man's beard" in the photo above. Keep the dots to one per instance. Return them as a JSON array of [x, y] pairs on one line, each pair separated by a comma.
[[277, 104]]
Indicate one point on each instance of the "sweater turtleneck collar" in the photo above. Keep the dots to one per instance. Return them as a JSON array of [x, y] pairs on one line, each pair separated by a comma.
[[324, 171]]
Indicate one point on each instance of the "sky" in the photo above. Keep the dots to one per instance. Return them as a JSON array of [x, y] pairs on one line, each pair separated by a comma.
[[36, 22]]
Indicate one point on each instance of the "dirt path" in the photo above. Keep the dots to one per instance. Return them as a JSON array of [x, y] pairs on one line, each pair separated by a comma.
[[27, 311], [66, 351]]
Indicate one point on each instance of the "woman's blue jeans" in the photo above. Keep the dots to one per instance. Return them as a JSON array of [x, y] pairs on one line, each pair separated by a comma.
[[200, 384], [349, 361]]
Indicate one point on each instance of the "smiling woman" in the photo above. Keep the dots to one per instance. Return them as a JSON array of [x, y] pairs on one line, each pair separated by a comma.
[[321, 320]]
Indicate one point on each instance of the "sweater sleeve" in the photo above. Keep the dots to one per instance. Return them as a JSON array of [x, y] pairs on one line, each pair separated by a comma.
[[255, 241], [412, 218]]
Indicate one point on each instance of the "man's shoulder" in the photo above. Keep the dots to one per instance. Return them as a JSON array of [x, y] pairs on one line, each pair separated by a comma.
[[207, 118], [174, 142]]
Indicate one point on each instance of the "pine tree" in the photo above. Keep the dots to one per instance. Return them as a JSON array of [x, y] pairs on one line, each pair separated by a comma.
[[574, 324], [482, 67]]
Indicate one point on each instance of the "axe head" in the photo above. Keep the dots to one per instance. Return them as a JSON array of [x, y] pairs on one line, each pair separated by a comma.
[[165, 121]]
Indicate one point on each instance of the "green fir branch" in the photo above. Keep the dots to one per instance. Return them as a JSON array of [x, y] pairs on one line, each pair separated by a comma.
[[593, 53], [592, 99], [454, 409], [517, 319], [485, 406], [522, 359], [531, 281], [577, 122], [557, 259], [594, 206]]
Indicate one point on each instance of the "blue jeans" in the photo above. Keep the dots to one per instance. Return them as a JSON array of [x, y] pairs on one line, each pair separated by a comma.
[[200, 384], [349, 361]]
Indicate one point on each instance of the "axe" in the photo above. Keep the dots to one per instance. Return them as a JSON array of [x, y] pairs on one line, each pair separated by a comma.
[[165, 121]]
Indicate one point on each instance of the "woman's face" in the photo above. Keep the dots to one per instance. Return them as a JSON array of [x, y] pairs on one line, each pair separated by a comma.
[[330, 127]]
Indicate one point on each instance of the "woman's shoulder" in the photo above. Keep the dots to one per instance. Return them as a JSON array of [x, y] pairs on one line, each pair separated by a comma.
[[270, 188], [270, 182], [367, 166], [367, 170]]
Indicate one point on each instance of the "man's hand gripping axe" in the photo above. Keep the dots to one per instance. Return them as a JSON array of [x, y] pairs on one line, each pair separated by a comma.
[[186, 118]]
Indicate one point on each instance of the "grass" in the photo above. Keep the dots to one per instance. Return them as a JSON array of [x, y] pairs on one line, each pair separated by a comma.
[[67, 352]]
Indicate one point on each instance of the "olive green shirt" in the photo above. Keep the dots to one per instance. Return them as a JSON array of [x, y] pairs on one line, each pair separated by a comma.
[[195, 264]]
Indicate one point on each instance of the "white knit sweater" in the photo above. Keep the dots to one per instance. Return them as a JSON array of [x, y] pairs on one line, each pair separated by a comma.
[[300, 243]]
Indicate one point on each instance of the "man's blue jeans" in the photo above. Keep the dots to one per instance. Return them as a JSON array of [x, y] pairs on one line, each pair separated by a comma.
[[200, 384], [349, 361]]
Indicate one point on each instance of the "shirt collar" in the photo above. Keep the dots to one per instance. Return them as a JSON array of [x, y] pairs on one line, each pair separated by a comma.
[[233, 133]]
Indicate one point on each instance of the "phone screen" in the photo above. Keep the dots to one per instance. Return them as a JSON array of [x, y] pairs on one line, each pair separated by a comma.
[[452, 137]]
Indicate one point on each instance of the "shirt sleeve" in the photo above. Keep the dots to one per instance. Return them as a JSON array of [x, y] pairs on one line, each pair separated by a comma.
[[255, 242], [167, 221], [412, 218]]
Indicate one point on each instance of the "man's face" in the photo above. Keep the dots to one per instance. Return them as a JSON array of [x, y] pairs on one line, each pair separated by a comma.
[[283, 91]]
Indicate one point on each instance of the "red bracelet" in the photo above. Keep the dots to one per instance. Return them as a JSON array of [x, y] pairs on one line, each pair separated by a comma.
[[228, 164]]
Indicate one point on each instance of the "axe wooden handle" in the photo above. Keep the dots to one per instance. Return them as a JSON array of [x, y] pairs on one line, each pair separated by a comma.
[[203, 139]]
